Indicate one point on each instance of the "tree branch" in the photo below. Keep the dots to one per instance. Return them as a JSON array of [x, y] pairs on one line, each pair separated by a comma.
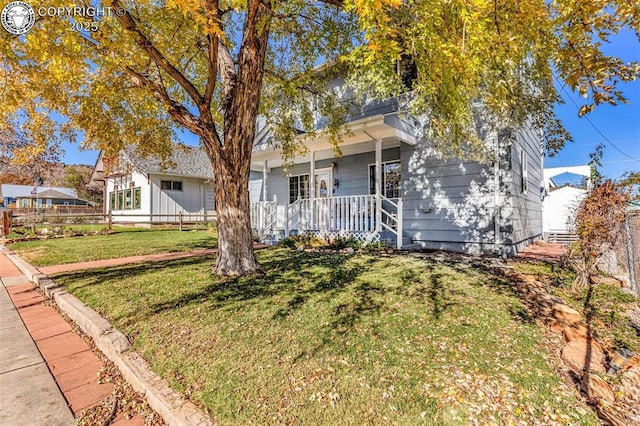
[[212, 7], [145, 44], [338, 3], [227, 72], [179, 113]]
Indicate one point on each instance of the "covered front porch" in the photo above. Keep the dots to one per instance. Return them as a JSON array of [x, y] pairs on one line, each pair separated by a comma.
[[356, 194]]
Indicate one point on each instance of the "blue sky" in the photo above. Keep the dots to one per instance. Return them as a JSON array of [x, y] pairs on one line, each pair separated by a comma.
[[619, 124]]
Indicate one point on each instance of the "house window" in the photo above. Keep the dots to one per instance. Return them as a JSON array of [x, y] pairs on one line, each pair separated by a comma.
[[390, 179], [524, 171], [298, 187], [137, 198], [126, 199], [120, 200], [171, 185]]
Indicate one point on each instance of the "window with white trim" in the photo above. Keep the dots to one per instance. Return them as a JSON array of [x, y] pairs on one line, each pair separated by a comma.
[[298, 187], [390, 179]]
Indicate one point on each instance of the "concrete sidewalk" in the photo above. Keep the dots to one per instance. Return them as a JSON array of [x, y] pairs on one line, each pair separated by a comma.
[[29, 394], [48, 373], [108, 263], [119, 261]]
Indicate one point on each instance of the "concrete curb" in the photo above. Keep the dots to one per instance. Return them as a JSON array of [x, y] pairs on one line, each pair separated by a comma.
[[164, 400]]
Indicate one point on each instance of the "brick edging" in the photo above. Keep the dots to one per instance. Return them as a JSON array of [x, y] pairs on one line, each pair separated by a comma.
[[115, 346]]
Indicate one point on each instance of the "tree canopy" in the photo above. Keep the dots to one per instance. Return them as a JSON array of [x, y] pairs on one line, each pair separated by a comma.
[[107, 84], [211, 66]]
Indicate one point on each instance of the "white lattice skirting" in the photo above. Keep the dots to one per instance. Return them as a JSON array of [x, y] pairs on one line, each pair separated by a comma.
[[367, 237]]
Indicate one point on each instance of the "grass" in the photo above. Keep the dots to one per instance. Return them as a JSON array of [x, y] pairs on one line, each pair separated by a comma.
[[125, 241], [327, 338], [605, 304]]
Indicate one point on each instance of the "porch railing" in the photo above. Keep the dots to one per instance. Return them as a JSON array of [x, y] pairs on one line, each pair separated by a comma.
[[350, 214], [391, 209], [354, 213], [264, 216]]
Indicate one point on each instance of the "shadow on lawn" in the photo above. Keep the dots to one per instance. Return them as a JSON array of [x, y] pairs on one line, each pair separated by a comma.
[[296, 277], [99, 275]]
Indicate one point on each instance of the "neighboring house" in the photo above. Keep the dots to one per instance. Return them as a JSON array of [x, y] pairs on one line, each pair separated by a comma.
[[561, 203], [392, 184], [144, 190], [28, 196]]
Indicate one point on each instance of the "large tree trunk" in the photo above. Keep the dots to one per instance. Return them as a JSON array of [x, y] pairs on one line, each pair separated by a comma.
[[235, 242], [232, 165]]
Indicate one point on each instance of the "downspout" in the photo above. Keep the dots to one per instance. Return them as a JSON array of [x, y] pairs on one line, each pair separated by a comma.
[[496, 196]]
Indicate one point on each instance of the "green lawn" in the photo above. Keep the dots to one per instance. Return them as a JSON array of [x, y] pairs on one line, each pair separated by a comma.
[[327, 338], [125, 241]]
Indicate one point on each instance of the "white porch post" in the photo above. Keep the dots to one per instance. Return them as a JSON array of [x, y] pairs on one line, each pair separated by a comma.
[[287, 231], [312, 187], [264, 181], [378, 185]]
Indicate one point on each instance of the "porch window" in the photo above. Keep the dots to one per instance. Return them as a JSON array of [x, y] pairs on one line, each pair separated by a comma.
[[172, 185], [298, 187], [390, 179]]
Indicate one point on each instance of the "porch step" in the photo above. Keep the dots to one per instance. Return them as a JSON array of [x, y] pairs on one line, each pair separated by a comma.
[[557, 237], [411, 247]]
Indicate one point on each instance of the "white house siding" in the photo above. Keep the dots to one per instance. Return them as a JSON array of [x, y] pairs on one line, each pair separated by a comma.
[[448, 204], [192, 198], [559, 208], [136, 180], [526, 207]]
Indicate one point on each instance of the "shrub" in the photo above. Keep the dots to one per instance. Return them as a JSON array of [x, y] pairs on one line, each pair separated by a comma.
[[599, 223]]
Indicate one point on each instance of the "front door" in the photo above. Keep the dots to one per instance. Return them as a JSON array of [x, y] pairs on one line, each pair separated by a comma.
[[323, 183]]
